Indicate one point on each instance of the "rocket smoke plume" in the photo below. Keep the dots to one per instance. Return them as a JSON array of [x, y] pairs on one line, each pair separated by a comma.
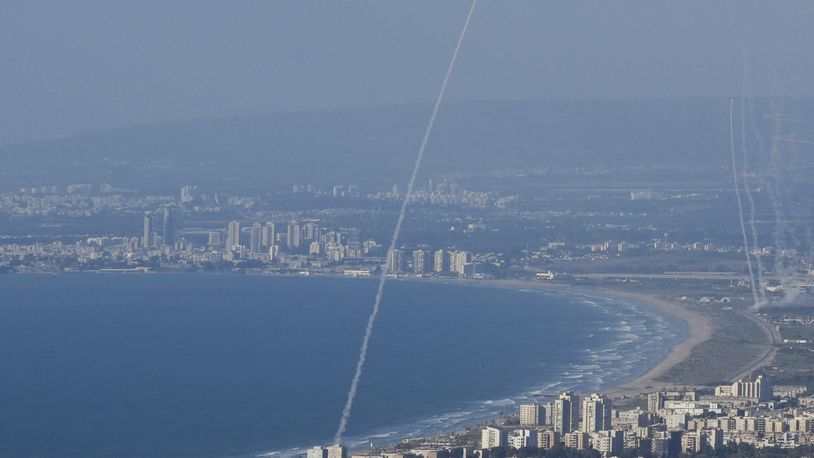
[[740, 203], [360, 364], [759, 263]]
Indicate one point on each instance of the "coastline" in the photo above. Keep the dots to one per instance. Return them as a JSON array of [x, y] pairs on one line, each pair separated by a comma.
[[699, 327]]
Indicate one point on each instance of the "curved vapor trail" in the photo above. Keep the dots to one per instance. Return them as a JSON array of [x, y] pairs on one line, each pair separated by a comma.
[[740, 203], [360, 364]]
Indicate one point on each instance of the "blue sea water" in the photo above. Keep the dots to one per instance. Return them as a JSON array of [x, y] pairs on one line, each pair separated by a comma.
[[239, 365]]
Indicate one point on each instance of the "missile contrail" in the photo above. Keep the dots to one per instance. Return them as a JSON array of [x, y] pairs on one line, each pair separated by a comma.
[[740, 203], [360, 363], [794, 140], [745, 84]]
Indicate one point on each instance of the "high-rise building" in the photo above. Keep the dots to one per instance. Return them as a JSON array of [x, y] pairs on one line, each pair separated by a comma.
[[521, 438], [440, 262], [596, 413], [655, 401], [149, 236], [492, 437], [317, 452], [532, 414], [395, 261], [460, 262], [576, 440], [213, 239], [337, 451], [188, 194], [565, 415], [233, 236], [170, 222], [608, 443], [273, 252], [268, 236], [293, 235], [692, 442], [421, 262], [547, 439], [255, 239], [311, 231], [715, 438]]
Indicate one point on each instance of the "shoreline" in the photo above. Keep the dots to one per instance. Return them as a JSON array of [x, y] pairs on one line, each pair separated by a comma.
[[699, 326], [698, 329]]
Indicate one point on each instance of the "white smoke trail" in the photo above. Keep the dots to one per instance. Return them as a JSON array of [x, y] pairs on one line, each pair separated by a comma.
[[794, 140], [745, 83], [740, 203], [360, 364], [776, 191]]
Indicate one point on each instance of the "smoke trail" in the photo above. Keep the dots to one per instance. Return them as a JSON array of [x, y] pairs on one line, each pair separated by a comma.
[[360, 364], [793, 140], [776, 193], [738, 196], [759, 271]]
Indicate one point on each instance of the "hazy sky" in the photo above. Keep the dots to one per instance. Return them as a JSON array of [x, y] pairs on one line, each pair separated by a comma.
[[92, 64]]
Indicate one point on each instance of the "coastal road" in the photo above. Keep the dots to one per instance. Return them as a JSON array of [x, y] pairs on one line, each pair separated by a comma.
[[773, 339]]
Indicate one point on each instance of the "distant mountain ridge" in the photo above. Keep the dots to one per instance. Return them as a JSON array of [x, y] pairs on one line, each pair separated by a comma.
[[378, 144]]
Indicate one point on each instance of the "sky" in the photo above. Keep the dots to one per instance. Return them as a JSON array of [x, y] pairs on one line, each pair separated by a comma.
[[70, 67]]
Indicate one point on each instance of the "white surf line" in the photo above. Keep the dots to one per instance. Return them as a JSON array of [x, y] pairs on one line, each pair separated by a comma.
[[360, 364], [740, 203]]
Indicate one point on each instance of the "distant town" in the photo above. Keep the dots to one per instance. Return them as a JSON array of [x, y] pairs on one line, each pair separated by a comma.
[[743, 384]]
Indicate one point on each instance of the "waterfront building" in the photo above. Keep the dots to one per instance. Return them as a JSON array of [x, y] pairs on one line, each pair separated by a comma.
[[170, 229], [395, 261], [311, 231], [213, 239], [255, 239], [337, 451], [293, 235], [492, 437], [232, 235], [460, 262], [758, 390], [596, 413], [421, 260], [565, 414], [317, 452], [148, 240], [440, 262], [532, 414], [268, 235], [274, 251]]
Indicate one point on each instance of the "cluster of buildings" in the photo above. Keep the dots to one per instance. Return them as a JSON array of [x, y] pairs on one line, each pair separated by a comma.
[[673, 423], [425, 262]]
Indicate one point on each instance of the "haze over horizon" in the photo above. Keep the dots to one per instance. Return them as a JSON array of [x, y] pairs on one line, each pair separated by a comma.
[[68, 71]]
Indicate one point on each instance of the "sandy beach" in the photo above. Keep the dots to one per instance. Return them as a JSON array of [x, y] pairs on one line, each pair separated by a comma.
[[699, 327]]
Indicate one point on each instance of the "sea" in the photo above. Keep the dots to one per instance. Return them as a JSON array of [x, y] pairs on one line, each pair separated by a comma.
[[231, 365]]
